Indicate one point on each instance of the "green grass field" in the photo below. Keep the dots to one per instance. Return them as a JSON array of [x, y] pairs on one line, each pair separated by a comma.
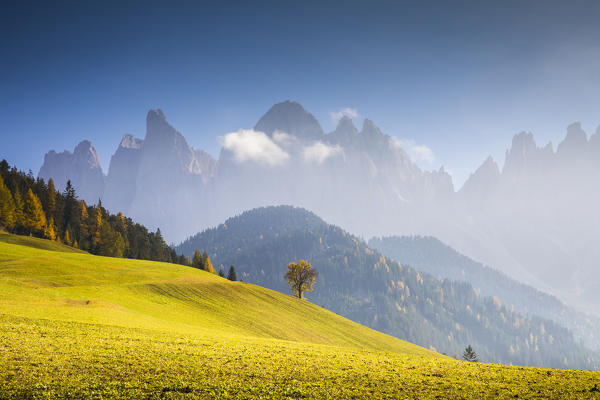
[[74, 325]]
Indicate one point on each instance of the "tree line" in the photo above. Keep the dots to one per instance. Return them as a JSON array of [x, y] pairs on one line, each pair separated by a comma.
[[359, 283], [30, 206]]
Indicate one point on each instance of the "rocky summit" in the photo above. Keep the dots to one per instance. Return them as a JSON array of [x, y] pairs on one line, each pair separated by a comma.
[[364, 181]]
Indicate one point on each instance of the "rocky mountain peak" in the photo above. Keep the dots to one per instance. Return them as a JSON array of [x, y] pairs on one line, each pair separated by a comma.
[[156, 114], [84, 152], [290, 117], [130, 142], [574, 143], [81, 167], [369, 126], [521, 153], [483, 179], [346, 126]]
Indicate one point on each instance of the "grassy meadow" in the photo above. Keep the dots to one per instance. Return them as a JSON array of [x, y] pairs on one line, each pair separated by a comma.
[[73, 325]]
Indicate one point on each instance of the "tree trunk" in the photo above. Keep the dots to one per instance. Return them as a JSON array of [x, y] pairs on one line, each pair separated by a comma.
[[299, 293]]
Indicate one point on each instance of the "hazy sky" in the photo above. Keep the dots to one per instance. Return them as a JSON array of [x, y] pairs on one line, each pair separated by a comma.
[[460, 78]]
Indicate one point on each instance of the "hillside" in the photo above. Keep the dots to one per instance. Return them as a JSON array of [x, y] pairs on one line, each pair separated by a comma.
[[431, 255], [79, 287], [361, 284], [75, 325]]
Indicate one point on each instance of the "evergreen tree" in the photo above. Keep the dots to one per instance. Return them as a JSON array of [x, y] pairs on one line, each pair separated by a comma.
[[50, 206], [197, 261], [66, 219], [96, 226], [111, 243], [8, 217], [221, 272], [232, 275], [469, 354], [70, 209]]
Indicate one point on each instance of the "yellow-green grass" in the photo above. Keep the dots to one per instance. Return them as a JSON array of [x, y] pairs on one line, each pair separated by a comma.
[[74, 325], [80, 287]]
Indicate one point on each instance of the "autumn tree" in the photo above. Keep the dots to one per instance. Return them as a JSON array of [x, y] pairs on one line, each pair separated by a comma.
[[301, 277], [18, 208], [202, 261], [207, 264], [34, 219], [67, 238], [469, 354], [49, 231], [84, 229], [8, 217]]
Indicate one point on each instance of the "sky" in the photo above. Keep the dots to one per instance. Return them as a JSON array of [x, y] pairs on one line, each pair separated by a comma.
[[451, 81]]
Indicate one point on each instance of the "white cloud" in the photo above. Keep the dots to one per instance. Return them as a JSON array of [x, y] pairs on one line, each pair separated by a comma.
[[255, 146], [417, 152], [319, 152], [284, 139], [348, 112]]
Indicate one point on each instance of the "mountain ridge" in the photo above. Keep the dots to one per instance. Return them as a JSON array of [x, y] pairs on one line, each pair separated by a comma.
[[361, 284], [512, 219]]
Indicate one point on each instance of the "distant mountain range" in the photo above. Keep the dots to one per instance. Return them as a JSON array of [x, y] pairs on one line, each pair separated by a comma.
[[536, 219], [443, 262], [363, 285]]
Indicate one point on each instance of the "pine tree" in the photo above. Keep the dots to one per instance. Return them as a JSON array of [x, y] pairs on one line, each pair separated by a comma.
[[70, 209], [111, 243], [469, 354], [8, 217], [232, 275], [197, 261], [34, 219], [221, 272], [97, 225], [51, 202]]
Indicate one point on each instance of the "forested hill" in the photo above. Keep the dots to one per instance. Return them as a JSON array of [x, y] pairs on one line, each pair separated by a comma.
[[30, 206], [431, 255], [361, 284]]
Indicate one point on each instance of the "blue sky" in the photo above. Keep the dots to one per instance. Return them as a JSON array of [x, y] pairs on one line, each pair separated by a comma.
[[458, 77]]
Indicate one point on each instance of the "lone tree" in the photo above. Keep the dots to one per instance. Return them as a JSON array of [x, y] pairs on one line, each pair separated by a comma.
[[301, 277], [232, 276], [469, 354]]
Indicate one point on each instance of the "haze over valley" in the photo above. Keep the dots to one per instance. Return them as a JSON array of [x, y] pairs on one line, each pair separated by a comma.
[[300, 200], [363, 180]]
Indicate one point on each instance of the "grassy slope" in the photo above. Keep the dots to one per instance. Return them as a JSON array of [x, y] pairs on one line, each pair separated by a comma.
[[80, 287], [76, 325]]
